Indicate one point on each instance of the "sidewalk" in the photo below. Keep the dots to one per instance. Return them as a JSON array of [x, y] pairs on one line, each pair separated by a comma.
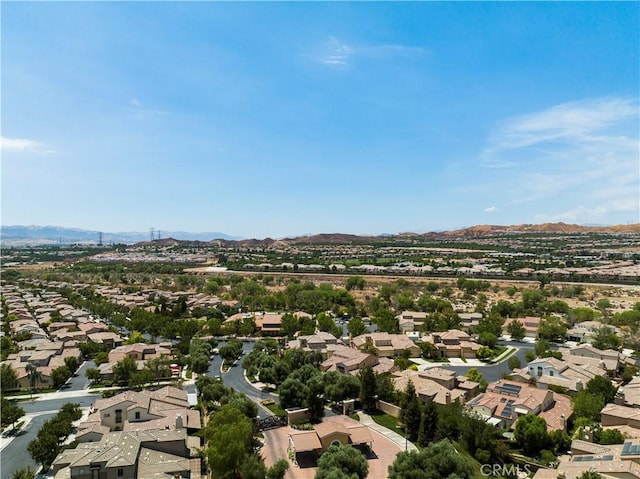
[[398, 439]]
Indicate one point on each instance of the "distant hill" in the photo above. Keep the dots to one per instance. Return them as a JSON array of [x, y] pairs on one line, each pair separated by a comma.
[[33, 235], [470, 232], [42, 235]]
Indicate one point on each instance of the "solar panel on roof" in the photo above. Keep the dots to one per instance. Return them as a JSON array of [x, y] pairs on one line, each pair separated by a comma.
[[630, 449], [607, 458]]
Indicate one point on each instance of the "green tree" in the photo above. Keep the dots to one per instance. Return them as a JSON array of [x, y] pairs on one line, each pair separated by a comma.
[[124, 369], [314, 398], [24, 473], [516, 330], [229, 434], [385, 388], [590, 475], [34, 376], [8, 378], [278, 470], [93, 374], [514, 362], [531, 433], [368, 389], [72, 363], [10, 413], [474, 375], [356, 327], [293, 393], [136, 337], [438, 460], [428, 424], [289, 324], [588, 405], [355, 282], [561, 441], [552, 328], [600, 385], [610, 436], [60, 375], [346, 459], [44, 448], [604, 338]]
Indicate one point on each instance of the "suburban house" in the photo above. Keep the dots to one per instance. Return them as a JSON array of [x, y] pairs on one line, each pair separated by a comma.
[[616, 461], [505, 401], [138, 351], [437, 384], [166, 408], [350, 361], [157, 453], [588, 356], [387, 345], [557, 372], [530, 324], [453, 344], [411, 321], [315, 342], [626, 419], [629, 394], [584, 332], [469, 320], [336, 430]]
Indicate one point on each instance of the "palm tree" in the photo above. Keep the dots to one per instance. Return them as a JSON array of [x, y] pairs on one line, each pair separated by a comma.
[[34, 376]]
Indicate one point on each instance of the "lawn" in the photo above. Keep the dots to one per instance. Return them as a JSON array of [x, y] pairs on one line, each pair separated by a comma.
[[275, 409], [386, 420]]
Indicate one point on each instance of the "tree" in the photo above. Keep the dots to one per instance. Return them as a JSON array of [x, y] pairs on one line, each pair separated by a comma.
[[552, 328], [604, 338], [610, 436], [407, 395], [123, 369], [412, 419], [516, 330], [289, 324], [561, 441], [488, 339], [93, 374], [278, 470], [34, 376], [8, 378], [356, 327], [229, 434], [60, 375], [474, 375], [136, 337], [368, 389], [385, 388], [346, 459], [24, 473], [355, 282], [590, 475], [514, 362], [428, 424], [531, 433], [484, 352], [600, 385], [293, 393], [44, 448], [10, 413], [314, 399], [588, 405], [438, 460]]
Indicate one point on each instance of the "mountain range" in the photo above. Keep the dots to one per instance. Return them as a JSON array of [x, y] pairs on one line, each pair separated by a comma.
[[42, 235]]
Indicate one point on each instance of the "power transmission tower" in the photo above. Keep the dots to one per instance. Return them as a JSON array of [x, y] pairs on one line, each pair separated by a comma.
[[100, 238], [151, 233]]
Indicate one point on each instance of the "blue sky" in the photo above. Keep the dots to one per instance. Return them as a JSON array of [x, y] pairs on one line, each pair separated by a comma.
[[277, 119]]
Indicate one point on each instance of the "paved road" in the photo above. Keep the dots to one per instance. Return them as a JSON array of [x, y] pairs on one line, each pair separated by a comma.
[[15, 455], [79, 381]]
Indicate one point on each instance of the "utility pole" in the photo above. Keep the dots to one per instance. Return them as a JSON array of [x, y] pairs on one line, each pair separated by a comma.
[[151, 233]]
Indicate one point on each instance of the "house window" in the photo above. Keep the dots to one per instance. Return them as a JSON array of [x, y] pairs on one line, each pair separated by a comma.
[[550, 373], [137, 414], [121, 472], [539, 372], [118, 415]]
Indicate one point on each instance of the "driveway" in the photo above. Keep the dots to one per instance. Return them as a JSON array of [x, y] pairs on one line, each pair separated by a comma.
[[277, 441]]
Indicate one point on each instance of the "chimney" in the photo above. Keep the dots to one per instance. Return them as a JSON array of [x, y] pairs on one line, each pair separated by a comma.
[[447, 398], [563, 420], [603, 366], [579, 386], [587, 435], [179, 423]]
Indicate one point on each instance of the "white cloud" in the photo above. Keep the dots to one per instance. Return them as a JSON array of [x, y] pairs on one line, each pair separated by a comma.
[[24, 145], [578, 161], [491, 209], [135, 102], [339, 53]]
